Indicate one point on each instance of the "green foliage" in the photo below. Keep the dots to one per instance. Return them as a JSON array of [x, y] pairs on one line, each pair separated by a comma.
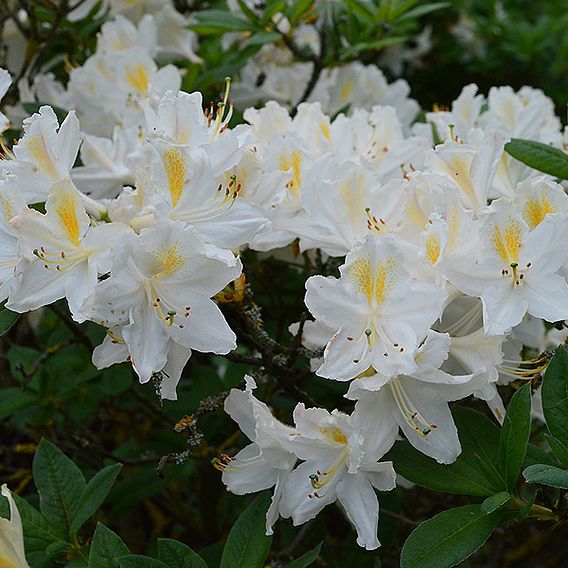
[[247, 545], [448, 538], [539, 156], [515, 436]]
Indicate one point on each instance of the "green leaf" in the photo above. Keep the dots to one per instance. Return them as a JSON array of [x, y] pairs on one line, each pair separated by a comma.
[[422, 10], [260, 38], [177, 555], [515, 435], [138, 561], [448, 538], [539, 156], [547, 475], [247, 546], [306, 559], [213, 22], [94, 495], [107, 547], [298, 8], [376, 45], [560, 450], [250, 15], [473, 473], [14, 399], [7, 319], [495, 502], [38, 533], [555, 396], [538, 455], [60, 484]]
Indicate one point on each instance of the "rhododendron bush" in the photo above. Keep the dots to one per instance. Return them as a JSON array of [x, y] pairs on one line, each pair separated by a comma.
[[238, 257]]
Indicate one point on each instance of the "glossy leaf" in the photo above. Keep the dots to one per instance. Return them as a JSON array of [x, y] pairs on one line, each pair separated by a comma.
[[539, 156], [448, 538], [247, 545], [178, 555], [515, 435], [555, 396]]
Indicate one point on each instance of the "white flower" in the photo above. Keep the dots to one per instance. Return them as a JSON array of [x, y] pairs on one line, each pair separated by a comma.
[[66, 253], [341, 456], [418, 401], [268, 460], [44, 155], [185, 186], [159, 290], [12, 554], [375, 313], [516, 269], [108, 164], [471, 169]]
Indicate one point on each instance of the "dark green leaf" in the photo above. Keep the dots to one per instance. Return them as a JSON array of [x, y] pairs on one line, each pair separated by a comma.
[[60, 484], [250, 15], [555, 396], [247, 546], [306, 559], [38, 533], [422, 10], [107, 547], [547, 475], [94, 495], [376, 45], [538, 455], [177, 555], [515, 435], [7, 319], [14, 399], [473, 473], [260, 38], [560, 450], [495, 502], [448, 538], [298, 8], [219, 21], [539, 156], [138, 561]]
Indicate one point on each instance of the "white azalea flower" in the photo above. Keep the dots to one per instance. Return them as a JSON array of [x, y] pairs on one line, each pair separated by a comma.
[[341, 456], [376, 313], [44, 155], [471, 169], [66, 254], [186, 187], [515, 271], [264, 463], [160, 289], [418, 401]]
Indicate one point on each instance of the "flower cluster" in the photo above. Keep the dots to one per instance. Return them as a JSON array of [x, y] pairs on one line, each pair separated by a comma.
[[136, 206]]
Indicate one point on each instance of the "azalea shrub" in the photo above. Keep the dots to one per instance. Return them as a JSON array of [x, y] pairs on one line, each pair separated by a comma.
[[263, 304]]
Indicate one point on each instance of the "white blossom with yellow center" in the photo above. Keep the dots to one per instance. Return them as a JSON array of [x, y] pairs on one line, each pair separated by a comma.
[[375, 313]]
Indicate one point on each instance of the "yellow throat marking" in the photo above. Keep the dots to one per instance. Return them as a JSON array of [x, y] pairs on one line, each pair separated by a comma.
[[138, 78], [536, 209], [374, 286], [507, 241], [175, 165]]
